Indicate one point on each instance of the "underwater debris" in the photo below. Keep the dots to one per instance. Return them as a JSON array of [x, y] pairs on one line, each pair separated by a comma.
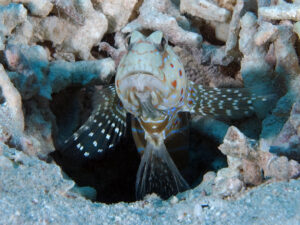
[[12, 122], [83, 37], [36, 191], [70, 9], [204, 9], [287, 72], [118, 12], [12, 104], [66, 36], [115, 53], [34, 75], [164, 16], [224, 55], [249, 165], [287, 142], [282, 11], [254, 65], [11, 16], [37, 7]]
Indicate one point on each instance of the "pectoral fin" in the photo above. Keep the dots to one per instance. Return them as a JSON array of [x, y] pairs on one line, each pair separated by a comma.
[[101, 132], [233, 103]]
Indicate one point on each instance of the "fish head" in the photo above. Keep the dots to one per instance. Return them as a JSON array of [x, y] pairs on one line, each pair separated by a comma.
[[150, 78]]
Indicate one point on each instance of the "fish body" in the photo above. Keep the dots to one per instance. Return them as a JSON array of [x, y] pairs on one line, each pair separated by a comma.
[[152, 86]]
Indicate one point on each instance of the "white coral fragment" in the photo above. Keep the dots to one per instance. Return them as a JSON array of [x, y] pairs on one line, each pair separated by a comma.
[[246, 151], [11, 16], [162, 15], [76, 36], [13, 103], [282, 11], [297, 29], [266, 32], [37, 7], [117, 12], [204, 9], [84, 37]]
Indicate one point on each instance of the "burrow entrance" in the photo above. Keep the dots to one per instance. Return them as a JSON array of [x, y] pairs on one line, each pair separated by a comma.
[[113, 177]]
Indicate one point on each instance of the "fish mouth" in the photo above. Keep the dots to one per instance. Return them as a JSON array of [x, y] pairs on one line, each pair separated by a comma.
[[144, 91], [139, 72], [142, 81]]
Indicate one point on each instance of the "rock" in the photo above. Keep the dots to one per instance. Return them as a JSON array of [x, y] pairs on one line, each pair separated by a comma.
[[254, 66], [253, 160], [34, 75], [83, 38], [78, 36], [31, 62], [11, 109], [117, 12], [297, 28], [22, 35], [211, 75], [35, 191], [223, 55], [162, 15], [282, 11], [204, 9], [235, 144], [288, 140], [222, 31], [227, 4], [253, 175], [71, 10], [62, 73], [267, 32], [286, 70], [37, 7], [11, 16], [227, 183], [52, 29]]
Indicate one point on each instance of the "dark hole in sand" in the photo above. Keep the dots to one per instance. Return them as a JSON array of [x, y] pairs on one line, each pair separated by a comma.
[[113, 177]]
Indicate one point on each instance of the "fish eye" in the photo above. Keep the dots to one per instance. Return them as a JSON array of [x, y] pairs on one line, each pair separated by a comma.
[[163, 41], [162, 44], [127, 41]]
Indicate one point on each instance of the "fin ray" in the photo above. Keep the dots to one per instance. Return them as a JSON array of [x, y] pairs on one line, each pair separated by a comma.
[[101, 131], [158, 173], [233, 103]]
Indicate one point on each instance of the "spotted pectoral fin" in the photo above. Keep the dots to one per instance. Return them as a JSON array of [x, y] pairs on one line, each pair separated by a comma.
[[101, 132], [233, 103]]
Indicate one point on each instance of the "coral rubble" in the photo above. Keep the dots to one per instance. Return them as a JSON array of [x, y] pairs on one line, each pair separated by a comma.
[[53, 47], [247, 164], [204, 9], [282, 11], [164, 16]]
